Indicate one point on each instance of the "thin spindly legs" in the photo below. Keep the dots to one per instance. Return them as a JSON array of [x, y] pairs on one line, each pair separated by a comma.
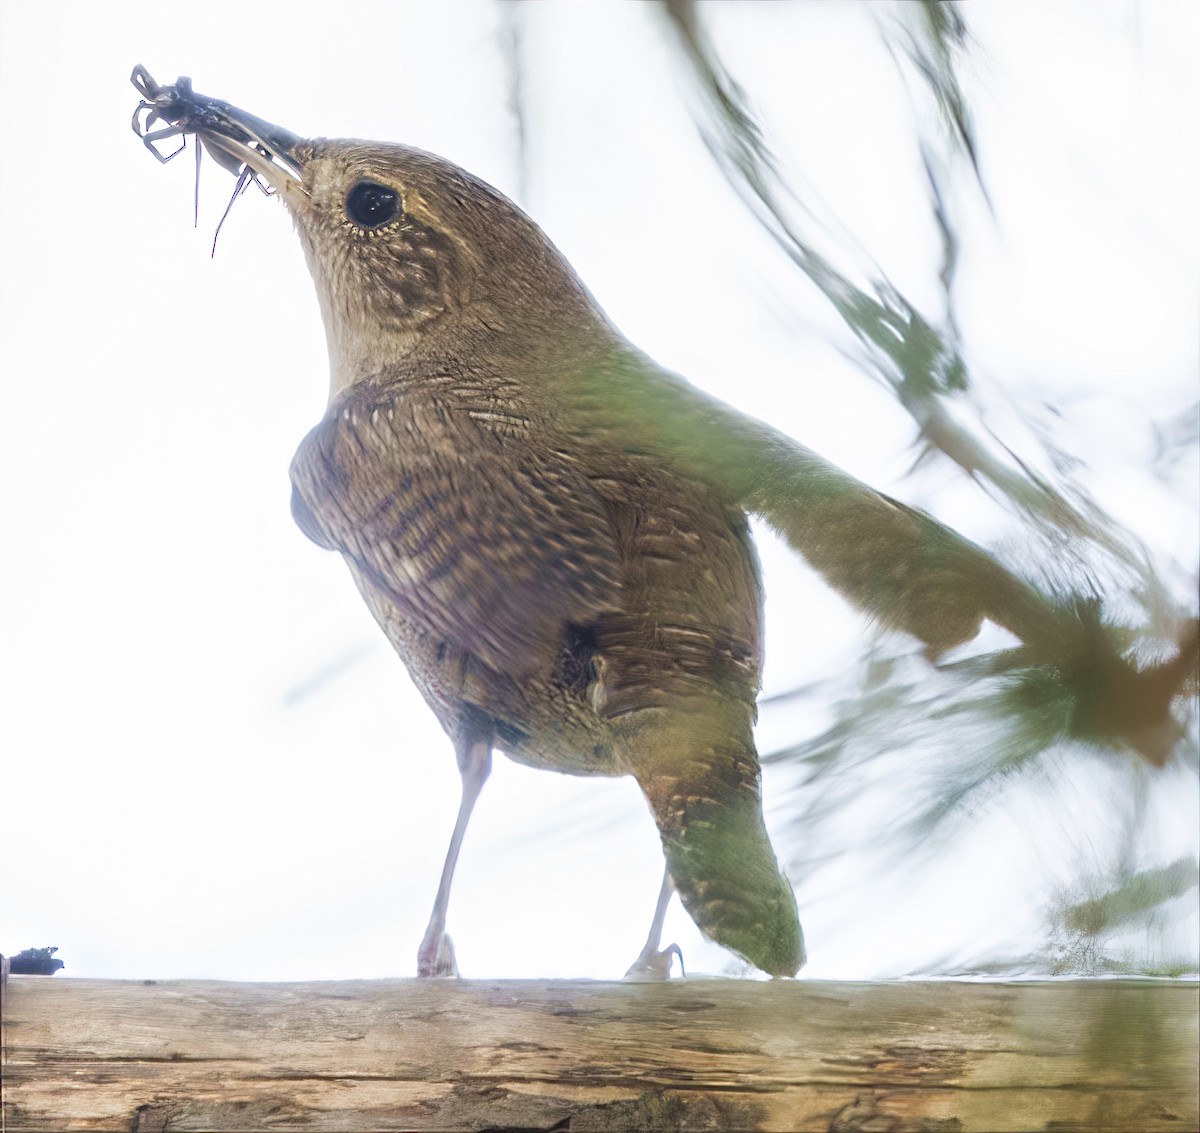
[[436, 954], [653, 963]]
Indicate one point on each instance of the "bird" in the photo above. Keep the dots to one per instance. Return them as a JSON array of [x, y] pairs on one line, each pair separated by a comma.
[[552, 530]]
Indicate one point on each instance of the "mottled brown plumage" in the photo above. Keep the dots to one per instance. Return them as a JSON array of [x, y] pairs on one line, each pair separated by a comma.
[[551, 530], [562, 564], [585, 604]]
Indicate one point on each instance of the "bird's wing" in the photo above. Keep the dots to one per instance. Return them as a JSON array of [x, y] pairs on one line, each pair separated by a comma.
[[457, 518]]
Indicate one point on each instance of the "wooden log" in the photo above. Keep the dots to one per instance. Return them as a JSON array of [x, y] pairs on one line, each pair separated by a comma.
[[695, 1054]]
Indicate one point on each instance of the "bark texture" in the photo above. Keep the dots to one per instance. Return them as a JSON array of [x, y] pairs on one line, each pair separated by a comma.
[[582, 1056]]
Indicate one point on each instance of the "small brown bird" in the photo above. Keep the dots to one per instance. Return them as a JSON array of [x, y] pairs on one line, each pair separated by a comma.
[[551, 530]]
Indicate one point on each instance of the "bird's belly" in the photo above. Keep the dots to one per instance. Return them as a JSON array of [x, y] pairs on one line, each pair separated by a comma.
[[536, 720]]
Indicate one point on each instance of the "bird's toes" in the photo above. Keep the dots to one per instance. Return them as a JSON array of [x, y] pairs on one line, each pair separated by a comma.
[[653, 965], [436, 957]]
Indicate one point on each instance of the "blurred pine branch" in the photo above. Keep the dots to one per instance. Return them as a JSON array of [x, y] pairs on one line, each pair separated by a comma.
[[1126, 675]]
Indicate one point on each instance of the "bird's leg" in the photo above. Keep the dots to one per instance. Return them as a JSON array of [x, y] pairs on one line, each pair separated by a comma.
[[436, 954], [653, 963]]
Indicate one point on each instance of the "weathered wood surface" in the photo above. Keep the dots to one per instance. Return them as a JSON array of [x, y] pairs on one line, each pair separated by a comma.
[[703, 1054]]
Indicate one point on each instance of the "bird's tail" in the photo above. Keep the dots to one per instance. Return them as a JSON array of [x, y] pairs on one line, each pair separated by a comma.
[[699, 772]]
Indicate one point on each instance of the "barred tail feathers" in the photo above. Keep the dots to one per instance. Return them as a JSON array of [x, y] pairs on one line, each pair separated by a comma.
[[700, 775]]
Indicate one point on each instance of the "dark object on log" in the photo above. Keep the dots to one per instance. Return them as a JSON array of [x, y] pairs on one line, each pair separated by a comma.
[[35, 962]]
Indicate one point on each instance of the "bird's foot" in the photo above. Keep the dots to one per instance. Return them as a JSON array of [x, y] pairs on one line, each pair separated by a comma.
[[654, 965], [435, 957]]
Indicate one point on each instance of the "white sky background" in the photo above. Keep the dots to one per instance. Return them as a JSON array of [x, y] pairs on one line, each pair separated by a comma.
[[213, 765]]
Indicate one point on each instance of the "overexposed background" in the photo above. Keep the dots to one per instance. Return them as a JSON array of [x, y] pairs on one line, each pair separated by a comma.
[[212, 763]]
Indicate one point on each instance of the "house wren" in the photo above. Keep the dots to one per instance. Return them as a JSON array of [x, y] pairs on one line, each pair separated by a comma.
[[552, 530]]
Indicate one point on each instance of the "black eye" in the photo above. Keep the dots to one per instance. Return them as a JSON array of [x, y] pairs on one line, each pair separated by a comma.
[[370, 205]]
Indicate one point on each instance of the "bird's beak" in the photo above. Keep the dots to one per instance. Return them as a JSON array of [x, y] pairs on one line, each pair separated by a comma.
[[236, 139], [268, 150]]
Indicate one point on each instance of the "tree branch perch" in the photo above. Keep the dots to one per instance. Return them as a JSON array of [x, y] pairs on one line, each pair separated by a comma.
[[712, 1054]]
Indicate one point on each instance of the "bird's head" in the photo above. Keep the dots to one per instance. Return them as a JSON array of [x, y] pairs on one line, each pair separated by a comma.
[[403, 247], [412, 256]]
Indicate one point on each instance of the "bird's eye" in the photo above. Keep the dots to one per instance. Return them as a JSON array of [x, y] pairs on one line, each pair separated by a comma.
[[369, 204]]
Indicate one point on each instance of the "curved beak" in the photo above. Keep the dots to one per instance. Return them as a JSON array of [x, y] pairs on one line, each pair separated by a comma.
[[236, 139]]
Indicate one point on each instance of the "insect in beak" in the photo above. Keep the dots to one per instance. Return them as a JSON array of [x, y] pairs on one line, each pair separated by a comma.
[[248, 147]]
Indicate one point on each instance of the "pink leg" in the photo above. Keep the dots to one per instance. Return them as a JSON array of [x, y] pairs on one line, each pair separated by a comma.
[[653, 964], [436, 954]]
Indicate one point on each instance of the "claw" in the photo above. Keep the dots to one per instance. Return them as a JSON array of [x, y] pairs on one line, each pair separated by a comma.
[[655, 966], [436, 957]]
